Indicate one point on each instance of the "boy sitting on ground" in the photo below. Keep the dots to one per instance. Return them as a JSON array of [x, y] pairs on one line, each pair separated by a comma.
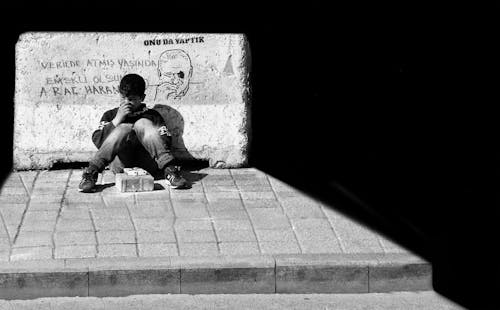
[[132, 135]]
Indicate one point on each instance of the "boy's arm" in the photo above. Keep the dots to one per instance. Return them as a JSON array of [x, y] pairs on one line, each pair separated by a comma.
[[104, 129]]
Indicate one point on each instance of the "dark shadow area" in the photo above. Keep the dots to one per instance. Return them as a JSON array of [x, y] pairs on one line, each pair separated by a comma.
[[193, 177], [158, 187], [101, 187], [175, 125], [71, 165]]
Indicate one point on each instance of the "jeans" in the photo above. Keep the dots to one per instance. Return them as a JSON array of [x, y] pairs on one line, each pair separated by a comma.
[[133, 145]]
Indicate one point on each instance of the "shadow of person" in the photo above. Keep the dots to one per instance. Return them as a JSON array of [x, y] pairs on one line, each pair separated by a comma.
[[175, 125]]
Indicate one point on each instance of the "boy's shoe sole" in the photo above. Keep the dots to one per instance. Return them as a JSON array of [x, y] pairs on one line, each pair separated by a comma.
[[86, 191]]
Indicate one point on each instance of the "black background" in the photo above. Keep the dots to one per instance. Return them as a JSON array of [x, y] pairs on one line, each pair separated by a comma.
[[384, 111]]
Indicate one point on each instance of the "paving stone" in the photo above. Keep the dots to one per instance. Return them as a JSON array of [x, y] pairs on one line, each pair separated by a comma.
[[147, 236], [232, 224], [315, 234], [236, 235], [12, 206], [39, 226], [12, 215], [156, 211], [357, 245], [45, 215], [311, 224], [4, 256], [75, 238], [197, 224], [235, 215], [285, 195], [41, 191], [118, 236], [75, 251], [17, 190], [46, 199], [152, 204], [35, 206], [74, 225], [255, 188], [212, 171], [33, 239], [226, 205], [154, 224], [107, 224], [118, 200], [110, 213], [239, 248], [187, 196], [76, 214], [216, 196], [272, 204], [158, 249], [156, 195], [285, 235], [188, 236], [4, 242], [198, 249], [31, 253], [279, 247], [258, 196], [13, 199], [320, 246], [116, 250], [304, 211], [266, 223], [247, 171], [191, 212], [215, 188]]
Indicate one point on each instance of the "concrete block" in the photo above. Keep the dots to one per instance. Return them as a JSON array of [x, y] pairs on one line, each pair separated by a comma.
[[400, 272], [65, 81], [108, 283], [323, 274], [226, 274], [43, 284], [134, 183]]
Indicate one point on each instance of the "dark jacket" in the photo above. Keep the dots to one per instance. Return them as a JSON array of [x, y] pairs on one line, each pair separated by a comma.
[[106, 126]]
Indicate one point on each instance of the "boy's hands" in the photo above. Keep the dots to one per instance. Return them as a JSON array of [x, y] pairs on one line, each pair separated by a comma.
[[123, 111]]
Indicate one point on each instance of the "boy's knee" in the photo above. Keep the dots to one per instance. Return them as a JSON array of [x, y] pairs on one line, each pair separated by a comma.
[[143, 123]]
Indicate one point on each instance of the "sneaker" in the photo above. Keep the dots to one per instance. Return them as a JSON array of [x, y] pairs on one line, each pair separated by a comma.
[[89, 178], [174, 178]]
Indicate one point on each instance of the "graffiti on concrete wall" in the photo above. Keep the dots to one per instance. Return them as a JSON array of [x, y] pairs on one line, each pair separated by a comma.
[[167, 75], [174, 73]]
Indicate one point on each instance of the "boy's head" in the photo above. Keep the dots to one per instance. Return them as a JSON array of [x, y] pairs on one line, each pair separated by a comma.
[[132, 87]]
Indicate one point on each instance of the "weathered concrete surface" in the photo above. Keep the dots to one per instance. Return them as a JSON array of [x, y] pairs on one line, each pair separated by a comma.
[[66, 81]]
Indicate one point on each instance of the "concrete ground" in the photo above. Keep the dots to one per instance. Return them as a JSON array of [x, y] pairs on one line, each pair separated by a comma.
[[264, 224], [386, 301]]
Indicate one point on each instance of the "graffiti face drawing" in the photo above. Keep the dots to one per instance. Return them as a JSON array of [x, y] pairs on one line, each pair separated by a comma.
[[174, 72]]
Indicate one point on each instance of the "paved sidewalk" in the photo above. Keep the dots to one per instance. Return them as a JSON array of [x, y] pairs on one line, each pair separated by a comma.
[[232, 212]]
